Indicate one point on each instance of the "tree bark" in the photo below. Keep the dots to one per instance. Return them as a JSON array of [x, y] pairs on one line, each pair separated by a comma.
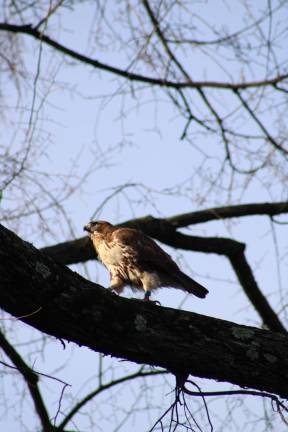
[[164, 230], [81, 250], [59, 302]]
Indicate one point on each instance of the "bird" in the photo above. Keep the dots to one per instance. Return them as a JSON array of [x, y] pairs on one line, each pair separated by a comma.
[[134, 259]]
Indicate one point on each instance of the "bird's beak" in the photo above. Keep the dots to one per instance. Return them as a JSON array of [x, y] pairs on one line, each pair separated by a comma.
[[87, 228]]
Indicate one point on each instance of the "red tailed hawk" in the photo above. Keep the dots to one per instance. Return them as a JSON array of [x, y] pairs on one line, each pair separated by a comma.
[[134, 259]]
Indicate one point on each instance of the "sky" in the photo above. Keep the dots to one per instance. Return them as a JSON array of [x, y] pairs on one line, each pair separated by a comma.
[[121, 140]]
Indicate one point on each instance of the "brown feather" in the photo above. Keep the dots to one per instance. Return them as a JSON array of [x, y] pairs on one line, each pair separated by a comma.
[[137, 260]]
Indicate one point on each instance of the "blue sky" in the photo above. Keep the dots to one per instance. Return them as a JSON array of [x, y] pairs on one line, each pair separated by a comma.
[[124, 140]]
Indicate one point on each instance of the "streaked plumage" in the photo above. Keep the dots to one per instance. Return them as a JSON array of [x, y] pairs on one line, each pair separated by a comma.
[[134, 259]]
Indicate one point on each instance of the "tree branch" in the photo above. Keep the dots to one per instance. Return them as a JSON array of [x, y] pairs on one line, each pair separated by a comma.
[[235, 252], [81, 250], [31, 379], [260, 123], [248, 282], [164, 230], [29, 30], [182, 342], [139, 374], [219, 213]]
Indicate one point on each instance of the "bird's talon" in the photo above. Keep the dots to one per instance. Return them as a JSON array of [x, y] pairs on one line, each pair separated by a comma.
[[111, 290], [147, 298], [156, 302]]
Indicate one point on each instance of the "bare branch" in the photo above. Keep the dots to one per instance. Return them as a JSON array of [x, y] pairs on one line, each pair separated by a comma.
[[139, 374], [219, 213], [35, 33], [260, 123], [31, 379], [80, 250]]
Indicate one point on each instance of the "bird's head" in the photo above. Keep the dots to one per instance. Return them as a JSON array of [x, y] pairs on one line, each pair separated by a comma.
[[94, 227]]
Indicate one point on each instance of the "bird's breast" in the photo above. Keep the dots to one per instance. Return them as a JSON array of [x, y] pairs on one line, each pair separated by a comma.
[[109, 254]]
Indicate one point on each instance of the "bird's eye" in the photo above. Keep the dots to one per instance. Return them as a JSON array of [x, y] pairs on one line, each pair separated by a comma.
[[95, 225]]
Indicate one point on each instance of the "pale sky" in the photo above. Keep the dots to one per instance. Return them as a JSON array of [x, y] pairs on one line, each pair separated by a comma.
[[144, 148]]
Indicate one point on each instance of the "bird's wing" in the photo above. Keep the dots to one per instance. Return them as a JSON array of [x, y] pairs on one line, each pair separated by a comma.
[[145, 251], [150, 257]]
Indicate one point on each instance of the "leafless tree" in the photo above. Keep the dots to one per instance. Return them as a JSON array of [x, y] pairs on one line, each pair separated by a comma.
[[220, 73]]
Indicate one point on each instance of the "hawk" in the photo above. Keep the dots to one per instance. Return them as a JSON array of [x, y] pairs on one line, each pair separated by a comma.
[[134, 259]]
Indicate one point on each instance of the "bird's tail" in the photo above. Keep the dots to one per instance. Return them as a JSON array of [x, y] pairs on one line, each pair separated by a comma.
[[190, 285]]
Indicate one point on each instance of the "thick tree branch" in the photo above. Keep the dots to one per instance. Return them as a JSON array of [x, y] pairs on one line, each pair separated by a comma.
[[248, 282], [80, 250], [235, 252], [164, 230], [37, 34], [75, 309], [227, 212]]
